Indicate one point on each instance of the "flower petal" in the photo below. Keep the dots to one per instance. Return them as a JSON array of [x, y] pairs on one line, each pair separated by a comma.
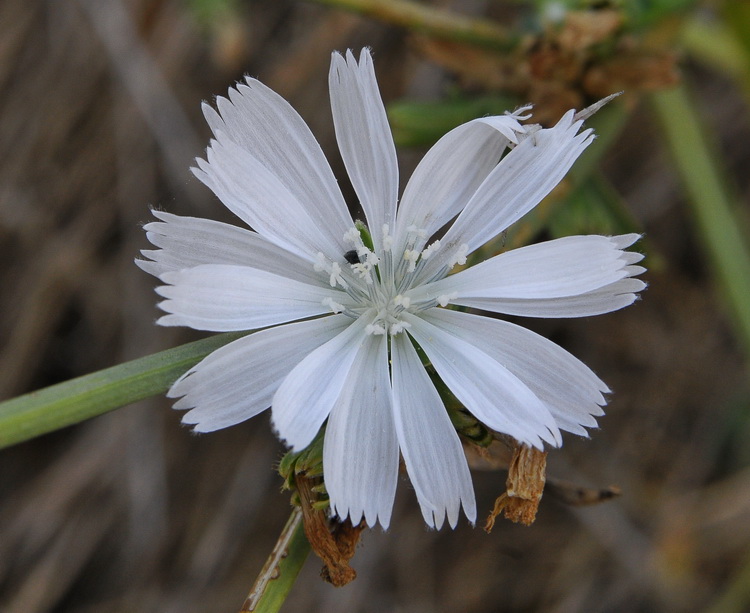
[[364, 138], [452, 171], [264, 202], [360, 449], [238, 381], [568, 266], [265, 125], [487, 389], [307, 395], [186, 242], [432, 452], [221, 297], [605, 300], [517, 184], [569, 389]]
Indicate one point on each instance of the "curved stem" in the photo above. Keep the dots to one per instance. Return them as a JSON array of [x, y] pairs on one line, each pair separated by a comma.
[[281, 568], [712, 200]]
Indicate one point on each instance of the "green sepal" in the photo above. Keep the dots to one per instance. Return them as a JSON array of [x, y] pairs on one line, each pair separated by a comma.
[[321, 505], [308, 462], [469, 426]]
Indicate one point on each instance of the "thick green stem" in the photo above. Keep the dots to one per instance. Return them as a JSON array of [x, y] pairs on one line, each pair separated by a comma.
[[431, 21], [711, 200], [79, 399], [281, 568]]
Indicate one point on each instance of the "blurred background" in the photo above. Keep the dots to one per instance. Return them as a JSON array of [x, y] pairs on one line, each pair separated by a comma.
[[100, 119]]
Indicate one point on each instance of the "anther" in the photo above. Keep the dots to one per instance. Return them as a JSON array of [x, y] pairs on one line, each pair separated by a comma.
[[352, 236], [363, 271], [411, 257], [402, 301], [432, 248], [336, 275], [375, 329], [321, 263], [333, 305], [444, 299], [459, 257], [398, 326]]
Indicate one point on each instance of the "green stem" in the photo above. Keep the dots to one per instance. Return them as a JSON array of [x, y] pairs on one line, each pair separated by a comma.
[[713, 206], [281, 568], [73, 401], [431, 21]]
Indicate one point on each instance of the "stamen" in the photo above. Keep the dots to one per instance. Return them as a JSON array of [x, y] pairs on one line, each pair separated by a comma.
[[321, 263], [372, 259], [333, 305], [336, 275], [375, 329], [444, 299], [352, 236], [411, 257], [402, 301], [432, 248], [398, 326], [387, 238], [418, 232], [363, 271], [459, 257]]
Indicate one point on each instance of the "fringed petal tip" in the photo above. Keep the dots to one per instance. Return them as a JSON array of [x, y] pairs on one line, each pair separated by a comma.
[[148, 266], [436, 518], [355, 515], [592, 109], [623, 241], [522, 113], [348, 57]]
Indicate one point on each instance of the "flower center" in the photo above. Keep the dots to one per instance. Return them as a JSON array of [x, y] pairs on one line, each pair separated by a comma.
[[378, 284]]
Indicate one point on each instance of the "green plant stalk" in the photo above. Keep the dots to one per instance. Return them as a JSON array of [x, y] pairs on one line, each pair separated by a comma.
[[73, 401], [710, 199], [431, 21], [280, 571]]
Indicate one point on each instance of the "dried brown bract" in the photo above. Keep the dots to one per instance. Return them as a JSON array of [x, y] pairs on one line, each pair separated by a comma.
[[333, 542], [524, 487]]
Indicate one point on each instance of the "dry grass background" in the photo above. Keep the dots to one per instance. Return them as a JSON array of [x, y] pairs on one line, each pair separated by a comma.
[[99, 118]]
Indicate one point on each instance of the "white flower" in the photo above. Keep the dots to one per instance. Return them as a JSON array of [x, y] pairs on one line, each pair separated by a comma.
[[340, 317]]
